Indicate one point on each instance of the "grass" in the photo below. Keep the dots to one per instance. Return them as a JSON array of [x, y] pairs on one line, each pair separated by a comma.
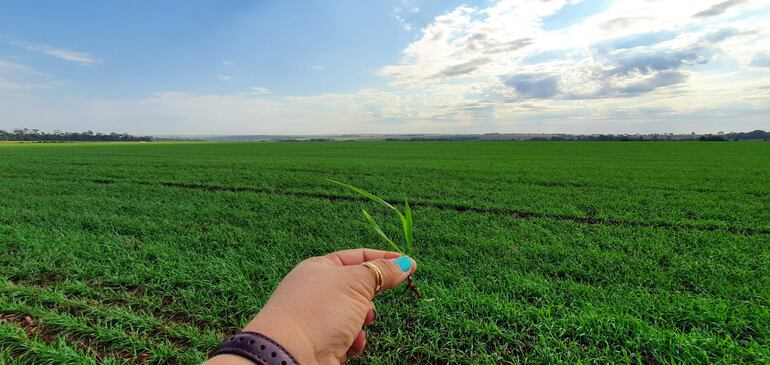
[[532, 252], [406, 219]]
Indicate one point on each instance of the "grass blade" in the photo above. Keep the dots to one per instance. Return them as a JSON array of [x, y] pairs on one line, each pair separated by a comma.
[[408, 224], [366, 194], [372, 197], [379, 230]]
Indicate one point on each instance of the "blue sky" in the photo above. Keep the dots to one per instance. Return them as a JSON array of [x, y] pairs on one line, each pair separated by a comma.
[[400, 66]]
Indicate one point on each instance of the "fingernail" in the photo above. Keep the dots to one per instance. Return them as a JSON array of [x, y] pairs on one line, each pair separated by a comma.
[[404, 262]]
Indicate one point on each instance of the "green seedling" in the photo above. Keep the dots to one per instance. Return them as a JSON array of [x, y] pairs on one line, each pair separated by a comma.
[[406, 223]]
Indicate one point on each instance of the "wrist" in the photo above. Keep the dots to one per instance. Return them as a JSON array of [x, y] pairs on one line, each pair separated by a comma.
[[285, 332]]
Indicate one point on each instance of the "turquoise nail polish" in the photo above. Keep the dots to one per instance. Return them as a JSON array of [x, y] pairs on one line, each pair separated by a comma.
[[404, 262]]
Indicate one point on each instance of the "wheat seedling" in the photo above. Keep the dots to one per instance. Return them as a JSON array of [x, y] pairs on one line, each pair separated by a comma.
[[406, 223]]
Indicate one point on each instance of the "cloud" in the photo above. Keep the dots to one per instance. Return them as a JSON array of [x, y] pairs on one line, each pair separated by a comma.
[[628, 74], [18, 80], [538, 86], [622, 23], [719, 9], [648, 61], [645, 85], [633, 41], [406, 8], [60, 53], [227, 63], [67, 55], [633, 72], [258, 90], [318, 67], [462, 68], [405, 25], [483, 43], [601, 56], [15, 77], [723, 34], [11, 68], [430, 55], [634, 86], [224, 77], [616, 68]]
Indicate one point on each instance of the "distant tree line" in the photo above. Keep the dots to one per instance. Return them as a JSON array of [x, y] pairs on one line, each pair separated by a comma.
[[178, 139], [290, 140], [456, 138], [756, 134], [37, 135], [721, 136]]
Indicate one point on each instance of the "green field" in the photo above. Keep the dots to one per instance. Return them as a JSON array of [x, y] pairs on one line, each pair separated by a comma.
[[532, 252]]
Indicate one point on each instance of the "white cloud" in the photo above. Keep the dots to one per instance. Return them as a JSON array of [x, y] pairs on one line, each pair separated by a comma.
[[720, 8], [631, 51], [227, 63], [403, 23], [15, 77], [60, 53], [404, 10], [258, 90], [224, 77], [11, 68], [64, 54], [318, 67]]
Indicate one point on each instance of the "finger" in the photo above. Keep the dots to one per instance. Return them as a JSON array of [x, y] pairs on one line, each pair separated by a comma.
[[394, 272], [359, 344], [371, 315], [359, 255]]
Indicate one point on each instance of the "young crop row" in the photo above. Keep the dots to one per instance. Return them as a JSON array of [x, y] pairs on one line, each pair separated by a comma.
[[732, 211]]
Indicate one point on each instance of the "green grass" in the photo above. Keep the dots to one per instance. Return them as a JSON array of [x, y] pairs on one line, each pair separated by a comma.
[[405, 218], [532, 252]]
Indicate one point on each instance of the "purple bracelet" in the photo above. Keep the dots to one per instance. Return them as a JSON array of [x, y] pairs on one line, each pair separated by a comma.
[[257, 348]]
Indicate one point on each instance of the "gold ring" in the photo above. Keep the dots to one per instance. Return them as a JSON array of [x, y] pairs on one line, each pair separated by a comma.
[[378, 274]]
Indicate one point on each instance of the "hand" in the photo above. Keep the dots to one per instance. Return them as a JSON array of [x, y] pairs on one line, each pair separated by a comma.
[[318, 310]]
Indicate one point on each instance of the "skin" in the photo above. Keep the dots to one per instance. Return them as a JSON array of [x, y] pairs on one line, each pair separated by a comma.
[[320, 308]]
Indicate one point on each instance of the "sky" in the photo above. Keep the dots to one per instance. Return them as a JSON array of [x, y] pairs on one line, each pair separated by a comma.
[[303, 67]]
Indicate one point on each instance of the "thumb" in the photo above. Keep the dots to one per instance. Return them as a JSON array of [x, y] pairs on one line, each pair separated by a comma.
[[394, 271]]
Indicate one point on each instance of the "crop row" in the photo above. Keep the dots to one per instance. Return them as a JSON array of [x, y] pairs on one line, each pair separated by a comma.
[[655, 208]]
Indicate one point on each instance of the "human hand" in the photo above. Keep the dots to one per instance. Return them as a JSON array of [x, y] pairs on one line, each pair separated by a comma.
[[318, 310]]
